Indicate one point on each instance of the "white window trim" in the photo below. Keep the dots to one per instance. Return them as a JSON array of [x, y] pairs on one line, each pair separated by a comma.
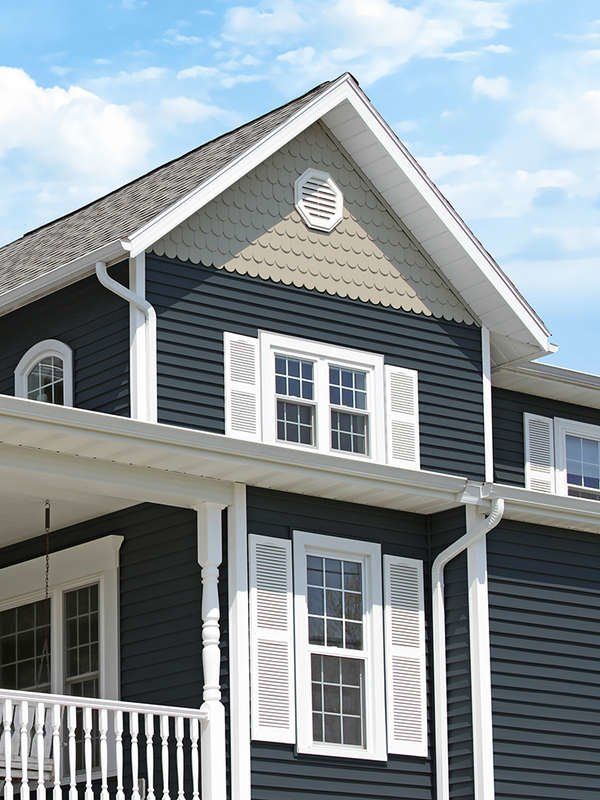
[[93, 562], [563, 427], [322, 354], [369, 554], [49, 347]]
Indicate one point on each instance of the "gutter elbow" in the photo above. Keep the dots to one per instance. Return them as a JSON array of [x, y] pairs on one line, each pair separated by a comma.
[[495, 514]]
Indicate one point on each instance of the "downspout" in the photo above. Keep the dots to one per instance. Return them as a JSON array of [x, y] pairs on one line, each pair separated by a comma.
[[143, 386], [477, 528]]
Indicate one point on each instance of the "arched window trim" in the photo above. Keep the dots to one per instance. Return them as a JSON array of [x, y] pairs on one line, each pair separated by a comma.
[[49, 347]]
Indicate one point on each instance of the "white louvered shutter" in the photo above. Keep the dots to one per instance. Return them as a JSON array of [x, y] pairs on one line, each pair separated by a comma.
[[404, 617], [242, 387], [402, 423], [271, 640], [539, 453]]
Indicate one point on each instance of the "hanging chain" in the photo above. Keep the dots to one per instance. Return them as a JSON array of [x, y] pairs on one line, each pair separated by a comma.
[[47, 529]]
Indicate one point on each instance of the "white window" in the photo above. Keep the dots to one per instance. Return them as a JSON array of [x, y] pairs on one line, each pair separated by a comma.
[[45, 373], [318, 397], [339, 647], [320, 625], [66, 643], [577, 459], [322, 397]]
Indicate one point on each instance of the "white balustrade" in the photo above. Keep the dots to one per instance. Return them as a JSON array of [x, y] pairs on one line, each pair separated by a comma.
[[86, 747]]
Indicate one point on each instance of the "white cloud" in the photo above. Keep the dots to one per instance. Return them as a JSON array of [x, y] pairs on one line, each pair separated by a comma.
[[572, 123], [499, 49], [175, 37], [406, 126], [125, 78], [226, 75], [440, 166], [197, 71], [133, 5], [558, 283], [572, 238], [71, 130], [371, 38], [187, 110], [493, 88]]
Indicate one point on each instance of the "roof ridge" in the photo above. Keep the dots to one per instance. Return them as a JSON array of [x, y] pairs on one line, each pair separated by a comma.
[[169, 162]]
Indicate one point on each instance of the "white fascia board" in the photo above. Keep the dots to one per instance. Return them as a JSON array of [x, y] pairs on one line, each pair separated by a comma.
[[558, 511], [59, 277], [158, 227], [547, 380]]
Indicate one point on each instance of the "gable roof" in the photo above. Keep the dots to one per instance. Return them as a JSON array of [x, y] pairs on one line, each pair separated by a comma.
[[131, 219]]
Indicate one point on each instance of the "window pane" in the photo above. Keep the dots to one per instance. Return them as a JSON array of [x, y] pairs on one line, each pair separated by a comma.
[[583, 467], [295, 423], [349, 432], [338, 704], [45, 381], [294, 377], [81, 641], [335, 613], [348, 387], [25, 647]]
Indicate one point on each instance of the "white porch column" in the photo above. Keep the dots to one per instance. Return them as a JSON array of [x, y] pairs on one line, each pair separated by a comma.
[[212, 739], [481, 688]]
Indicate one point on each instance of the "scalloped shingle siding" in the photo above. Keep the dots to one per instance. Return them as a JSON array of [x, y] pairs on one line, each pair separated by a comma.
[[254, 229]]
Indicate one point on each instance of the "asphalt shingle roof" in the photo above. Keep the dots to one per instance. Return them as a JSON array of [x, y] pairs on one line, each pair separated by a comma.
[[126, 209]]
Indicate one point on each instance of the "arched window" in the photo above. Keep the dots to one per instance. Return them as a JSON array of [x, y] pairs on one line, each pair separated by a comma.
[[45, 373]]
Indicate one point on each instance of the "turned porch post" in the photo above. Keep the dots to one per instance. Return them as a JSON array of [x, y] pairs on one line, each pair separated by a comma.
[[212, 738]]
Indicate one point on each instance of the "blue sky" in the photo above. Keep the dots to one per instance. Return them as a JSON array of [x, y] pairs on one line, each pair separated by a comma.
[[499, 100]]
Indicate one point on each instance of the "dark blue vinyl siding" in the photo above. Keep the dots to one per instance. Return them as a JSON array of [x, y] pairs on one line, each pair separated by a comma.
[[195, 305], [509, 442], [94, 323], [277, 771], [544, 588], [446, 528]]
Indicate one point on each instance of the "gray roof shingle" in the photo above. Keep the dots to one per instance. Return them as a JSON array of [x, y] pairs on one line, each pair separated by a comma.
[[125, 210]]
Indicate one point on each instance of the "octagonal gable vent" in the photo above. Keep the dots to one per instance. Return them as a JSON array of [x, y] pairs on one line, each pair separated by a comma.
[[319, 200]]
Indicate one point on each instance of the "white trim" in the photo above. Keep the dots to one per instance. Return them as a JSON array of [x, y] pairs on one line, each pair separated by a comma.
[[369, 553], [95, 561], [322, 355], [44, 349], [239, 645], [563, 427], [481, 680], [488, 430]]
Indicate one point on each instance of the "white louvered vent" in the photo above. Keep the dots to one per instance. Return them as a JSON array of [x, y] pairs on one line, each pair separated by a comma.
[[402, 399], [318, 200], [405, 656], [539, 453], [271, 637], [242, 379]]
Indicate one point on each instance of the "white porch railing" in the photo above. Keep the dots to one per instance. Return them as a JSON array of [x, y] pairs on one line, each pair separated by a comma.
[[106, 748]]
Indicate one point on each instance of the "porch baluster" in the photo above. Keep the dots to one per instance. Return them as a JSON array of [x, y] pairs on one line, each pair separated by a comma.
[[103, 727], [164, 737], [40, 716], [24, 732], [56, 745], [179, 742], [8, 716], [87, 752], [149, 725], [119, 754], [194, 734], [134, 728], [72, 730]]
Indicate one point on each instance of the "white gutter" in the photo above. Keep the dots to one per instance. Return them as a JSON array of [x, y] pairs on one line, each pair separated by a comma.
[[143, 349], [478, 527]]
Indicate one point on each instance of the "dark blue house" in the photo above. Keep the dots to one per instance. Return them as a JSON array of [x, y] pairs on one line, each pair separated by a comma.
[[288, 506]]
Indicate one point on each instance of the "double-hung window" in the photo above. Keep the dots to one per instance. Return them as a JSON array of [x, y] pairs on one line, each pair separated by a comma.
[[577, 459], [327, 672], [322, 397], [339, 645]]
